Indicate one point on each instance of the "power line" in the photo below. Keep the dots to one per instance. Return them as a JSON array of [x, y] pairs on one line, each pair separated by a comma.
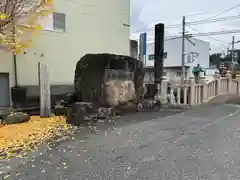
[[203, 13], [223, 12], [199, 14], [218, 19], [227, 18], [208, 37], [190, 15], [236, 31]]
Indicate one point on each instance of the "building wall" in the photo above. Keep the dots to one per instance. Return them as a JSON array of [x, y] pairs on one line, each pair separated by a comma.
[[173, 48], [134, 49], [6, 66], [91, 27], [172, 74]]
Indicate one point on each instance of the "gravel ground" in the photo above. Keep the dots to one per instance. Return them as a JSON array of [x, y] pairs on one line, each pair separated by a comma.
[[200, 143]]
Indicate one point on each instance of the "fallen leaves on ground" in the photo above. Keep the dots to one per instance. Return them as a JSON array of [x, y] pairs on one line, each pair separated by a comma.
[[29, 135]]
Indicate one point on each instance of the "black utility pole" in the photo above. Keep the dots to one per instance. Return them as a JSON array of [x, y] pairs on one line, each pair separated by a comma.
[[159, 55]]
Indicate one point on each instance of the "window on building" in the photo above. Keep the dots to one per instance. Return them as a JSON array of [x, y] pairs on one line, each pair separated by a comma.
[[165, 55], [235, 55], [178, 74], [59, 21], [151, 56]]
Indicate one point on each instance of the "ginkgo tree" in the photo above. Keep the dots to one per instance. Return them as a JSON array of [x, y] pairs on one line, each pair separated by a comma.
[[20, 20]]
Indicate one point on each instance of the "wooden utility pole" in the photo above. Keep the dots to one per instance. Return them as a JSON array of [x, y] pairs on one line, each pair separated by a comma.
[[183, 50], [233, 57]]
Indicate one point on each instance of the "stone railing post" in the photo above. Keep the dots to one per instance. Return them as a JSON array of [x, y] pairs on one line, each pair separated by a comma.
[[204, 90], [164, 86], [229, 82], [192, 91], [218, 85]]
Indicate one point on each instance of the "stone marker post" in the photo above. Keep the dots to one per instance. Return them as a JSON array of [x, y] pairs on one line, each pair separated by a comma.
[[45, 95]]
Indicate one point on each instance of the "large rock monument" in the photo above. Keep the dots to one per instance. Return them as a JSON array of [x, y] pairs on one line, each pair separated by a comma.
[[108, 80]]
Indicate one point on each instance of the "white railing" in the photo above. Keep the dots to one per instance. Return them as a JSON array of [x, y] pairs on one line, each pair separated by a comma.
[[204, 91]]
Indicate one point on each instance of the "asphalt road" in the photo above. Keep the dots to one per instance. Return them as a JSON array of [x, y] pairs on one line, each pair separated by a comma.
[[198, 144]]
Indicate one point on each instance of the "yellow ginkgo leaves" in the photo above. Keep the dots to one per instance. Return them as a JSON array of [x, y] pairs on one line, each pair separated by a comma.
[[28, 135], [3, 16], [48, 2], [24, 26]]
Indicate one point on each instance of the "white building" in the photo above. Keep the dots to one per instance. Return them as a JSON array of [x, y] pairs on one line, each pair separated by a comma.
[[76, 28], [196, 52]]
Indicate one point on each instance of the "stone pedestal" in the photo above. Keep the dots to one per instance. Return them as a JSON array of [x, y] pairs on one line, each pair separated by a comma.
[[79, 112]]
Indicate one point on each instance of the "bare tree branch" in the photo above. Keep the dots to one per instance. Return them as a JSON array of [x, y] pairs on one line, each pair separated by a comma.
[[17, 8]]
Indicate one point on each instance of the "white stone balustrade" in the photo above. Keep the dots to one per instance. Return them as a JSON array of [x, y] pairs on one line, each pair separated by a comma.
[[194, 94]]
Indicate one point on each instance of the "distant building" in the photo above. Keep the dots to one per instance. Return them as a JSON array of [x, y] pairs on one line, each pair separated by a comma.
[[134, 49], [196, 52], [236, 55], [230, 63]]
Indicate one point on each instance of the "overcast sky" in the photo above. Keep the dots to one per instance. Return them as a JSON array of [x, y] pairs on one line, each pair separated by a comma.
[[146, 13]]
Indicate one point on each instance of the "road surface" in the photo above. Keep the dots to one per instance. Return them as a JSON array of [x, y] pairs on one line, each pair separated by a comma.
[[198, 144]]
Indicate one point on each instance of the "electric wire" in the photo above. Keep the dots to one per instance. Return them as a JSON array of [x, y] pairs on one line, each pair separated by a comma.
[[197, 14], [190, 15], [208, 37], [227, 18], [208, 18], [223, 12], [236, 31]]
